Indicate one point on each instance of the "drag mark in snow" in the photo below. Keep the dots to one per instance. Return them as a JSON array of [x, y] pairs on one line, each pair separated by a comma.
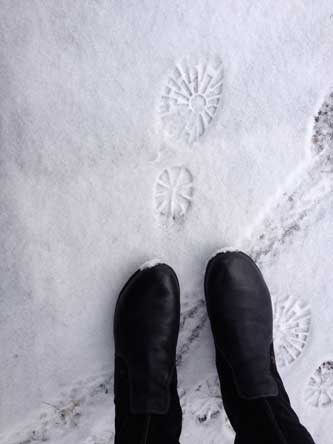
[[191, 99], [173, 193], [304, 192], [304, 196], [319, 392], [192, 321], [292, 321], [322, 137]]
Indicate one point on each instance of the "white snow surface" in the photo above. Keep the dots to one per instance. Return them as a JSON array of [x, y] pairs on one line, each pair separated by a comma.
[[139, 129], [150, 264]]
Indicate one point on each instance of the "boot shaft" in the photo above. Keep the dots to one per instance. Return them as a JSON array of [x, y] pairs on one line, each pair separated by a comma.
[[263, 420], [144, 428]]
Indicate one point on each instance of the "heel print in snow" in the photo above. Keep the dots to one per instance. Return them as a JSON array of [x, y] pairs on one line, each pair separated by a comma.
[[319, 391], [292, 322], [191, 99], [173, 193]]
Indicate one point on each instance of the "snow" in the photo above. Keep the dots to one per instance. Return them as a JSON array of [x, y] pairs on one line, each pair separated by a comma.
[[151, 263], [104, 166]]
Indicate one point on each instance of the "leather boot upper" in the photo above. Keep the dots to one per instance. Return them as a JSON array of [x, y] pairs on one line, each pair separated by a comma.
[[240, 312], [146, 326]]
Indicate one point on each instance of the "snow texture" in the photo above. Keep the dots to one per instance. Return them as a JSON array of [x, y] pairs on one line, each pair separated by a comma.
[[150, 264], [140, 129]]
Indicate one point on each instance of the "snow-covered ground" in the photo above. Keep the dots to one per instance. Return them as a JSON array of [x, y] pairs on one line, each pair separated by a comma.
[[139, 129]]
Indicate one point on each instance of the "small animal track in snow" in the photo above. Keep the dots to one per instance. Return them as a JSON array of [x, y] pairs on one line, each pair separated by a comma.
[[319, 391], [174, 192], [191, 99], [292, 321]]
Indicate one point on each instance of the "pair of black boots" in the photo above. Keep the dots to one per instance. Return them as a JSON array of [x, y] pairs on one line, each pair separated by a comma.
[[146, 326]]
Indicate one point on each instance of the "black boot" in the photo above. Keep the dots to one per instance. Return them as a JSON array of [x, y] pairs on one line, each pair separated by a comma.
[[146, 326], [240, 311]]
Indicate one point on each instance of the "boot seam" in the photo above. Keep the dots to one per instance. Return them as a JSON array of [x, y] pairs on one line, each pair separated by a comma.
[[167, 387], [239, 391]]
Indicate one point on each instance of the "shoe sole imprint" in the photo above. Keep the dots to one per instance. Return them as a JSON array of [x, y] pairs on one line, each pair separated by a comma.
[[191, 99], [173, 193]]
